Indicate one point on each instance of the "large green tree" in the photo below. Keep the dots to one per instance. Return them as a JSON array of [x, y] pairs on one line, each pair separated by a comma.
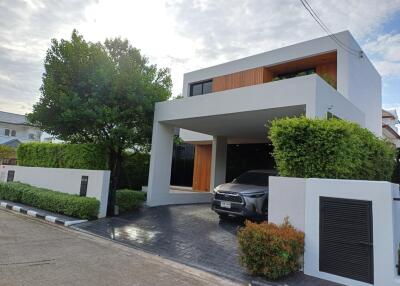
[[100, 93]]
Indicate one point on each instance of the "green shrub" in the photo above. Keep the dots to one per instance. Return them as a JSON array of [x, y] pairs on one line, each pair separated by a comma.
[[270, 250], [135, 170], [396, 173], [61, 203], [128, 200], [7, 152], [74, 156], [333, 148]]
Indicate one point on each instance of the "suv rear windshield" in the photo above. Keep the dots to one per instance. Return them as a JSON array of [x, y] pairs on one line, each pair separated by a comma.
[[253, 178]]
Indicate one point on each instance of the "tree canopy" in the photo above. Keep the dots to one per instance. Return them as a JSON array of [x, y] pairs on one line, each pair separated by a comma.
[[102, 93], [99, 93]]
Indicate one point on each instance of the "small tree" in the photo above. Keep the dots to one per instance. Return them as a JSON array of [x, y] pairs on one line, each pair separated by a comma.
[[102, 94], [7, 152]]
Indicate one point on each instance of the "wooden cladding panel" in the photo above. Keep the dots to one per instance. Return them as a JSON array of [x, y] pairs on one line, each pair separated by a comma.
[[325, 64], [241, 79], [328, 69], [202, 168]]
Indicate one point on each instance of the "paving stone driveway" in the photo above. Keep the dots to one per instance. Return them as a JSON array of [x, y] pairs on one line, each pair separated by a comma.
[[190, 234]]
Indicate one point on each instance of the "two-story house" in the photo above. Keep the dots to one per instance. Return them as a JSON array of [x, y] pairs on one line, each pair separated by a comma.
[[225, 109], [14, 129], [389, 130]]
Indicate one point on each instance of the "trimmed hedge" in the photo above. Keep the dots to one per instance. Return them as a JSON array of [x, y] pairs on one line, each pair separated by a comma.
[[135, 170], [7, 152], [61, 203], [270, 250], [74, 156], [330, 148], [128, 200]]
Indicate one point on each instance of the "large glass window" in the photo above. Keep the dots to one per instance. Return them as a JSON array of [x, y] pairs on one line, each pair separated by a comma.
[[13, 133], [294, 74], [199, 88], [7, 132]]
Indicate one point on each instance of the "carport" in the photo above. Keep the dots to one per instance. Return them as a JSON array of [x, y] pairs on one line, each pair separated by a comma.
[[241, 114]]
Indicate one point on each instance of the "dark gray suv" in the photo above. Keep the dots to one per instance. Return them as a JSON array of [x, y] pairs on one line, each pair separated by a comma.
[[246, 196]]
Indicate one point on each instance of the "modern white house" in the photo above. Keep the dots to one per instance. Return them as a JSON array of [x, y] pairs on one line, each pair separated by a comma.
[[389, 129], [14, 129], [228, 106]]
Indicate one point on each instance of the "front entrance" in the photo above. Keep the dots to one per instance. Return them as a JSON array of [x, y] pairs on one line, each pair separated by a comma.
[[345, 238], [191, 164], [202, 168]]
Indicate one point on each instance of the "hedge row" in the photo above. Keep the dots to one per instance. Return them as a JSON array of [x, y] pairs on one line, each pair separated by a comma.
[[128, 200], [7, 152], [330, 148], [74, 156], [270, 250], [61, 203], [135, 170]]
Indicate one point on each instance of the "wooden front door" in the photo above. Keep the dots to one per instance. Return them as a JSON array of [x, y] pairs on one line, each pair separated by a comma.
[[202, 168]]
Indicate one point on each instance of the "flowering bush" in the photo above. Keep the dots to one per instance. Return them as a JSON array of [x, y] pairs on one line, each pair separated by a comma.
[[271, 250]]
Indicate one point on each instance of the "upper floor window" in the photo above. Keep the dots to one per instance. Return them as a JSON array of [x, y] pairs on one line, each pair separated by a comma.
[[330, 115], [7, 132], [202, 87], [31, 136], [294, 74], [13, 133]]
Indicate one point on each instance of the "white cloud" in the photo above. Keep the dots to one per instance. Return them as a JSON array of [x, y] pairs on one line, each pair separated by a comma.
[[181, 34]]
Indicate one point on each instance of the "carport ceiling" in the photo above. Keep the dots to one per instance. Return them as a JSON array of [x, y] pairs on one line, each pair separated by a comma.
[[249, 124]]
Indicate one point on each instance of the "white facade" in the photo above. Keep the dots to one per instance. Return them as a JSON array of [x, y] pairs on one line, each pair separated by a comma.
[[15, 127], [63, 180], [357, 79], [241, 114], [244, 117], [298, 199]]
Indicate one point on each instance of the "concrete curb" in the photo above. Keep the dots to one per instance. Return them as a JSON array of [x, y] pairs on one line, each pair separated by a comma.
[[39, 215]]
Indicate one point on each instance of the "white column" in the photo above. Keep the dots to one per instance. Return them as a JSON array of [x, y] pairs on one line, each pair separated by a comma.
[[218, 161], [160, 164]]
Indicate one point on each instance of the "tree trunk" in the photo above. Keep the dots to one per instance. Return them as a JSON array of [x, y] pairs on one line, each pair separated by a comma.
[[115, 164]]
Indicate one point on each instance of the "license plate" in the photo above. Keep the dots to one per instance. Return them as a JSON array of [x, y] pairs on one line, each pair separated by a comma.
[[226, 205]]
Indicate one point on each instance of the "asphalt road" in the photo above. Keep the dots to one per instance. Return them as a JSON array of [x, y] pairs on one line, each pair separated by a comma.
[[34, 252]]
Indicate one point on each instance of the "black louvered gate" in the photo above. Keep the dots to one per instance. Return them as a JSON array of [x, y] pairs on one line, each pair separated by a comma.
[[345, 238]]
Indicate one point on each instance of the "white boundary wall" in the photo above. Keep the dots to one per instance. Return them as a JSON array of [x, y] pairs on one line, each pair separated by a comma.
[[63, 180], [299, 200]]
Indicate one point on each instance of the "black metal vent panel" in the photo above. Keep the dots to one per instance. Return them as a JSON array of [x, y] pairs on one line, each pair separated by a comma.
[[346, 238]]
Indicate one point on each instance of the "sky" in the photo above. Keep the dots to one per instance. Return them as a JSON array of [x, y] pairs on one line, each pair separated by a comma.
[[186, 35]]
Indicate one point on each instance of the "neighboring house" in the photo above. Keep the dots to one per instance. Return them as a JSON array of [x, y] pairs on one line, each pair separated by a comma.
[[389, 129], [14, 129], [225, 109]]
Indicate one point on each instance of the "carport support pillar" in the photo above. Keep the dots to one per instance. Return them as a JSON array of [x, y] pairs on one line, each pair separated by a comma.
[[218, 161], [160, 164]]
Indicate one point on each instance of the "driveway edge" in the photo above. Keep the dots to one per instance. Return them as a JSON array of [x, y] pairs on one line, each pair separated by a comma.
[[36, 214]]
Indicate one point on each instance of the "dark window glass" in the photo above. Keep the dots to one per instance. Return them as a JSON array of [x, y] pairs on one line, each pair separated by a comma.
[[253, 178], [201, 88], [330, 115], [207, 87], [295, 74], [31, 136], [197, 89], [7, 132], [13, 132]]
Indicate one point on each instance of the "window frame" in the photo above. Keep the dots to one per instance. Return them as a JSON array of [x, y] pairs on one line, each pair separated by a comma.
[[191, 85], [6, 132], [13, 133]]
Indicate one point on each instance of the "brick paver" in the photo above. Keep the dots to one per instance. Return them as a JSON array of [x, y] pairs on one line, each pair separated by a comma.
[[190, 234]]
